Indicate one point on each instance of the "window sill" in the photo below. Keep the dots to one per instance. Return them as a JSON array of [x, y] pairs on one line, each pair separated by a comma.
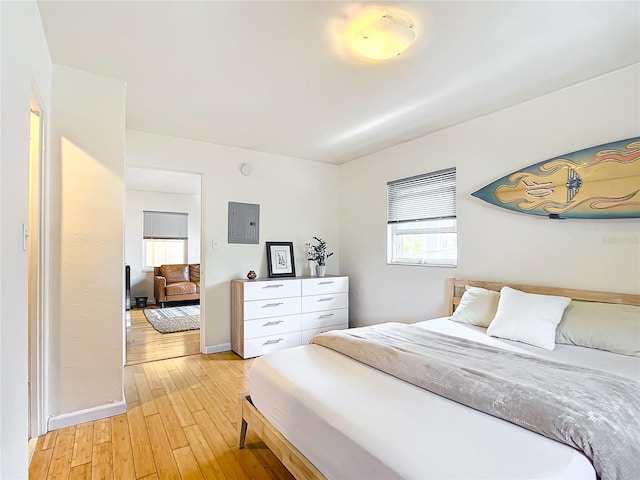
[[415, 264]]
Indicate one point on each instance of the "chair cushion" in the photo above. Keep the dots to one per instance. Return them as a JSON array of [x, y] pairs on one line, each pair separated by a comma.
[[180, 288], [175, 273], [194, 272], [197, 287]]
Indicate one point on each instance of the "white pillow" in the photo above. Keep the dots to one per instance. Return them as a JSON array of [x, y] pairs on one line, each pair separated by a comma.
[[477, 306], [528, 318]]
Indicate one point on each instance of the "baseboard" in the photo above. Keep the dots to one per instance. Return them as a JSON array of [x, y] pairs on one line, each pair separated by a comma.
[[89, 415], [223, 347]]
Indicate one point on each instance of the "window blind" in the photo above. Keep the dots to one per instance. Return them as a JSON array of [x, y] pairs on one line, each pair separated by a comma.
[[165, 225], [424, 197]]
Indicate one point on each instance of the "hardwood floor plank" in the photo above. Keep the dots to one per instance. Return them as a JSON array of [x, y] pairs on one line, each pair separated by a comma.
[[227, 430], [162, 451], [81, 472], [147, 401], [222, 452], [140, 443], [161, 370], [177, 402], [130, 389], [185, 389], [209, 466], [250, 464], [170, 420], [169, 363], [62, 453], [122, 461], [184, 366], [152, 376], [46, 441], [195, 364], [187, 464], [83, 444], [101, 431], [150, 477], [40, 463], [137, 368], [101, 463]]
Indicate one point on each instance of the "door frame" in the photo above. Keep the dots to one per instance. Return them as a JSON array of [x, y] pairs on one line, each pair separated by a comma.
[[202, 252], [38, 299]]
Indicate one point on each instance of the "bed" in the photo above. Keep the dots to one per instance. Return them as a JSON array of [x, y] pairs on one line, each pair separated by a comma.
[[326, 415]]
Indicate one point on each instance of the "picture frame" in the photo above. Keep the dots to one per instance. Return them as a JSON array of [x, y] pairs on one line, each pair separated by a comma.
[[280, 261]]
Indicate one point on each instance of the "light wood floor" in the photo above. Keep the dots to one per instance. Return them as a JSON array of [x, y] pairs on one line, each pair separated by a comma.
[[146, 344], [180, 424]]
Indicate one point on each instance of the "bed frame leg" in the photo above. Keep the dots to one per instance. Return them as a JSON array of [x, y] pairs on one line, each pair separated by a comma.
[[243, 433], [242, 425]]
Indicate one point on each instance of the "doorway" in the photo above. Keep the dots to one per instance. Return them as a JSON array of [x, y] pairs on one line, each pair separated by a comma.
[[151, 191], [34, 245]]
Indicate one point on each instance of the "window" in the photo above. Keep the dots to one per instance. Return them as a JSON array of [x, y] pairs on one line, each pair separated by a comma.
[[165, 239], [421, 220]]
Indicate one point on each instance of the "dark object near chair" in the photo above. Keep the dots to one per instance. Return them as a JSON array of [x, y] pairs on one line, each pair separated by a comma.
[[141, 302]]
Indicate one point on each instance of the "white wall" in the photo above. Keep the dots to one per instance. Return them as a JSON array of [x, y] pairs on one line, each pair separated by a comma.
[[493, 243], [298, 199], [87, 258], [135, 203], [25, 65]]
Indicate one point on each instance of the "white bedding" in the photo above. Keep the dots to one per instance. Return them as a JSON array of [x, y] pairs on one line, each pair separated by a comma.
[[354, 422]]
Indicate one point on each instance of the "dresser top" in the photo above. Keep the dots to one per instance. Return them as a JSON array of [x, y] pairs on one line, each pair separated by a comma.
[[280, 279]]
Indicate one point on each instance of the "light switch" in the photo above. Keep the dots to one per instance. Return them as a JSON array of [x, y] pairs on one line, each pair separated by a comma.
[[25, 237], [215, 244]]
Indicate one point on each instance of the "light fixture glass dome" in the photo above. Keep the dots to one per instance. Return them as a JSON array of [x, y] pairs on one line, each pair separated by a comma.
[[383, 36]]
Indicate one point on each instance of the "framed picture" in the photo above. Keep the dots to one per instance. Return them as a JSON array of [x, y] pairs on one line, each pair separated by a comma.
[[280, 259]]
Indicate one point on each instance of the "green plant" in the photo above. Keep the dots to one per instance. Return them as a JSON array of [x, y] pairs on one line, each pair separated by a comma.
[[318, 253]]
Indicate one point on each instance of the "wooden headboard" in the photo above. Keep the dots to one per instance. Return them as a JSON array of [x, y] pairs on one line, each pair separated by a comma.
[[457, 289]]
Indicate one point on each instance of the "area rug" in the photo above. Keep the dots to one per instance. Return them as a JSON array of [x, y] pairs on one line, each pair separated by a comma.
[[174, 319]]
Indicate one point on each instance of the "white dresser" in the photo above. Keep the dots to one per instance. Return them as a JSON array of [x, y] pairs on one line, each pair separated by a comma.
[[272, 314]]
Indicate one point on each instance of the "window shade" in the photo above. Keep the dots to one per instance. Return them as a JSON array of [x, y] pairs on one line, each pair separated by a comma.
[[165, 225], [424, 197]]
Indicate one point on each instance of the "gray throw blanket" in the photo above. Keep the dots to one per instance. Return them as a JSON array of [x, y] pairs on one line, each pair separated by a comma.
[[596, 412]]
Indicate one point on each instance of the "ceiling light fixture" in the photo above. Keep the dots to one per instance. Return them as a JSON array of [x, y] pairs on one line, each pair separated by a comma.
[[384, 36]]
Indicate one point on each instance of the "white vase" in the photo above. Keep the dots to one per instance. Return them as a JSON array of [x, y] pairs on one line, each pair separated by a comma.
[[321, 270], [312, 268]]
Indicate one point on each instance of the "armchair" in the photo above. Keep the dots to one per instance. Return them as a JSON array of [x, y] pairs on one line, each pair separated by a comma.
[[176, 283]]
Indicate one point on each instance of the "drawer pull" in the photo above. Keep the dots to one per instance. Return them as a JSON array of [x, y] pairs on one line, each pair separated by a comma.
[[274, 286], [328, 315], [325, 283], [271, 324], [272, 305], [325, 299], [271, 342]]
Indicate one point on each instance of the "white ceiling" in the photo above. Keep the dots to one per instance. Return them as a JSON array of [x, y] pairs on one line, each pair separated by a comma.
[[273, 76]]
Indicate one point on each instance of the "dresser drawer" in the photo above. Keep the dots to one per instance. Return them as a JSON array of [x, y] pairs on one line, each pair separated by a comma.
[[325, 318], [275, 307], [307, 335], [261, 290], [263, 327], [263, 345], [320, 286], [330, 301]]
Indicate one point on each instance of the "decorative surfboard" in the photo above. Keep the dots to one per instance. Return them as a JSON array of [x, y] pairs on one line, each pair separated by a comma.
[[597, 182]]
